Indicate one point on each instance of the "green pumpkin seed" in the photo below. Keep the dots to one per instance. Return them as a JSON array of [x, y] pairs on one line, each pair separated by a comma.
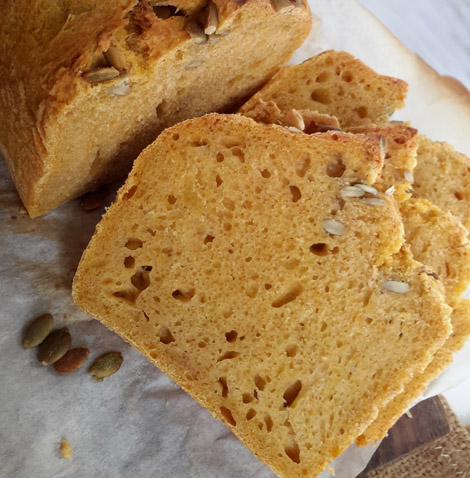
[[35, 332], [105, 365], [54, 347]]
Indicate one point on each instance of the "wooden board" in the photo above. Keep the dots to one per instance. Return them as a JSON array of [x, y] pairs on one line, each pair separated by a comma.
[[428, 421]]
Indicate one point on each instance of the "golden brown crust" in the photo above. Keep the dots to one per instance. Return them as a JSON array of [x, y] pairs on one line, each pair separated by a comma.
[[43, 58]]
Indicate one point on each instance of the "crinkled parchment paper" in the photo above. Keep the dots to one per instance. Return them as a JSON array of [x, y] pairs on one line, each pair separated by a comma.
[[137, 423]]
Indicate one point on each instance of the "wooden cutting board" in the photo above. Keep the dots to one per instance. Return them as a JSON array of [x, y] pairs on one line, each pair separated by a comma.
[[428, 421]]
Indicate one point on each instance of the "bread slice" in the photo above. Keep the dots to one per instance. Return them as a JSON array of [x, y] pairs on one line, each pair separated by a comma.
[[436, 238], [86, 85], [442, 176], [231, 260], [416, 387], [337, 84]]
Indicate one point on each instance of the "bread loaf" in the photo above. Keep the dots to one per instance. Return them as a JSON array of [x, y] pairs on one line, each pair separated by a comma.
[[86, 85], [232, 261], [337, 84]]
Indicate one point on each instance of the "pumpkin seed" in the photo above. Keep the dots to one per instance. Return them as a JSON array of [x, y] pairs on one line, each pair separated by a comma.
[[35, 333], [71, 361], [105, 365], [54, 347], [102, 74]]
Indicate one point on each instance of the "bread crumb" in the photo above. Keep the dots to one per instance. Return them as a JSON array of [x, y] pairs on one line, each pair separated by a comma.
[[408, 414], [66, 449]]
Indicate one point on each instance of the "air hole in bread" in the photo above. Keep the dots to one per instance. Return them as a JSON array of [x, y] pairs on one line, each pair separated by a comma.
[[368, 320], [175, 136], [162, 108], [230, 143], [336, 168], [362, 111], [229, 204], [129, 296], [183, 295], [199, 143], [129, 193], [208, 239], [250, 414], [247, 398], [347, 76], [252, 291], [227, 414], [165, 335], [239, 154], [133, 243], [322, 77], [319, 249], [129, 262], [223, 384], [227, 227], [218, 180], [231, 354], [267, 286], [291, 350], [219, 157], [287, 296], [141, 279], [323, 326], [302, 165], [458, 195], [171, 199], [260, 382], [291, 393], [231, 336], [292, 450], [265, 173], [321, 95], [295, 193], [269, 422], [248, 259]]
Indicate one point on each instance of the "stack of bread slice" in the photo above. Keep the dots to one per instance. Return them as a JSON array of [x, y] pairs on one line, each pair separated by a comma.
[[288, 281], [429, 180]]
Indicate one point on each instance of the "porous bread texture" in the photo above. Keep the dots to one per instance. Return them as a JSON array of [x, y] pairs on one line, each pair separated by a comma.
[[337, 84], [436, 238], [442, 175], [439, 240], [215, 263], [62, 135], [444, 356]]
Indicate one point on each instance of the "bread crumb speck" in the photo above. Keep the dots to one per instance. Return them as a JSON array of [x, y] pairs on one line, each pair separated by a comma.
[[66, 449]]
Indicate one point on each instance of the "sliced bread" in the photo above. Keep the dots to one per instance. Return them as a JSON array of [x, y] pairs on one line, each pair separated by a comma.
[[442, 176], [395, 408], [86, 85], [232, 261], [337, 84]]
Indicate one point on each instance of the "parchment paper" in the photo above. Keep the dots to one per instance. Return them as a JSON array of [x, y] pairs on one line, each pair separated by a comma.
[[137, 423]]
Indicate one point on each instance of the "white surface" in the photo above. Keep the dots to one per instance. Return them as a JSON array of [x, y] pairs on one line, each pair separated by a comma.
[[439, 32]]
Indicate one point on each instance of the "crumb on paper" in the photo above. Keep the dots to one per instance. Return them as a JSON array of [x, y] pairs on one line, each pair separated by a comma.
[[408, 414], [331, 470], [66, 449]]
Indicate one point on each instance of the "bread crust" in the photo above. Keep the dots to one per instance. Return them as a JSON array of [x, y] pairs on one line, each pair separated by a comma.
[[46, 47]]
